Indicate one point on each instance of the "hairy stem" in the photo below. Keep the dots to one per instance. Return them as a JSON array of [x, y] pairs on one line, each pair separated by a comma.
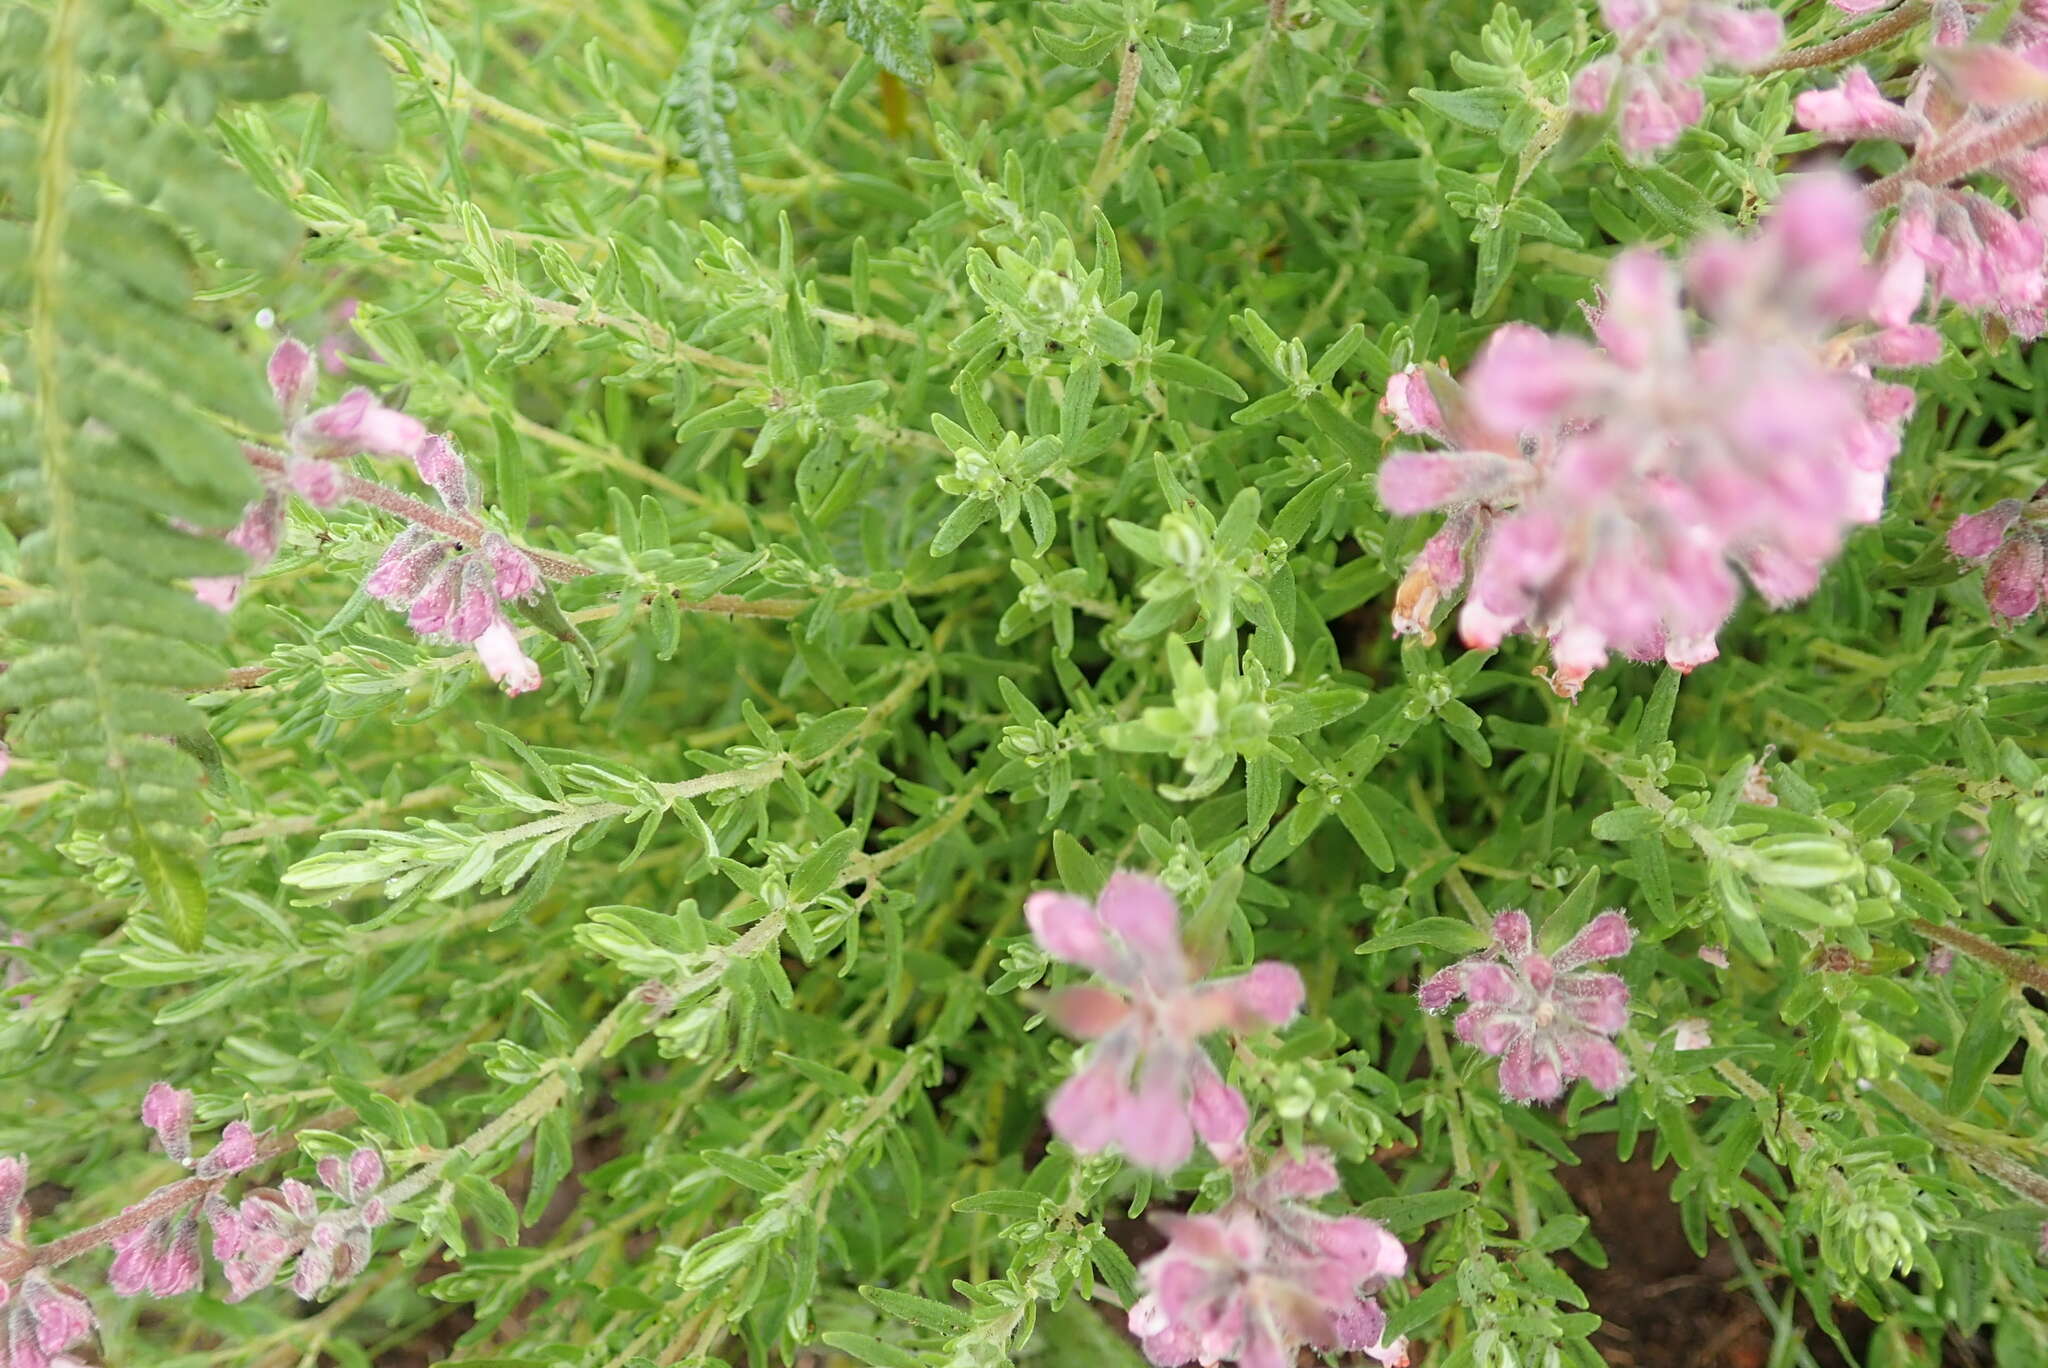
[[1871, 35], [421, 514], [2018, 968], [1947, 162]]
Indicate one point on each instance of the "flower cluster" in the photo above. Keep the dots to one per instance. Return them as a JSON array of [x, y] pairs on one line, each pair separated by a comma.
[[1268, 1274], [1548, 1020], [451, 575], [1652, 78], [2010, 540], [160, 1258], [271, 1227], [156, 1243], [457, 592], [1955, 120], [1612, 492], [1148, 1089]]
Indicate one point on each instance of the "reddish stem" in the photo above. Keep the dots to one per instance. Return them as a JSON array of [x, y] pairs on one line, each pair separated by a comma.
[[2019, 968], [401, 505], [1873, 34], [1947, 162]]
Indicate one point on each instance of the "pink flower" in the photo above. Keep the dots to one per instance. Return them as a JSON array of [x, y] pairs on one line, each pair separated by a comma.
[[1976, 535], [1613, 493], [1970, 250], [442, 467], [290, 372], [1547, 1021], [1148, 1088], [1714, 955], [401, 574], [13, 1185], [159, 1260], [1409, 402], [508, 665], [236, 1150], [1662, 52], [272, 1227], [43, 1320], [2010, 540], [2013, 579], [168, 1111], [1268, 1274]]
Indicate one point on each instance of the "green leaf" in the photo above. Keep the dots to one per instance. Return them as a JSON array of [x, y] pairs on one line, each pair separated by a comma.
[[1987, 1038], [868, 1349], [1445, 933], [919, 1311], [1416, 1210], [818, 736]]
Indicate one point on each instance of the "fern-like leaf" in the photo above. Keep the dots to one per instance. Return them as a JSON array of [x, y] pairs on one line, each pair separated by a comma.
[[889, 30], [119, 434], [702, 97]]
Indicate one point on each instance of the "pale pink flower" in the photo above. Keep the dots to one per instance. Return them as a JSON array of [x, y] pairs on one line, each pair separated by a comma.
[[1714, 955], [505, 661], [1607, 496], [1662, 51], [1148, 1088], [1546, 1018], [275, 1226], [356, 424], [1691, 1033], [1268, 1274]]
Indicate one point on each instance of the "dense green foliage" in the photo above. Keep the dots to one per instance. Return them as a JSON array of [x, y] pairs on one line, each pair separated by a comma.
[[975, 463]]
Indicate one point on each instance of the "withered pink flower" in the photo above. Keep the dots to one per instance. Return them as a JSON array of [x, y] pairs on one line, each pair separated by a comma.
[[2010, 540], [1147, 1087], [1546, 1018], [1268, 1274], [1663, 48]]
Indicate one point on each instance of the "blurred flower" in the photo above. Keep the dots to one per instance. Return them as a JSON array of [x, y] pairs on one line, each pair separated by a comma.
[[1606, 496], [1147, 1088], [1547, 1020], [1268, 1274], [1665, 46], [1954, 120]]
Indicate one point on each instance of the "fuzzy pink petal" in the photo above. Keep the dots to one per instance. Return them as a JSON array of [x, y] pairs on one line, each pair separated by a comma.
[[1087, 1013], [1153, 1127], [1066, 928], [1607, 936], [1083, 1110], [1143, 914], [1219, 1113]]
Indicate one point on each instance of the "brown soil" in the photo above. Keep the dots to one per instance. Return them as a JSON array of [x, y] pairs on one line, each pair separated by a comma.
[[1662, 1305]]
